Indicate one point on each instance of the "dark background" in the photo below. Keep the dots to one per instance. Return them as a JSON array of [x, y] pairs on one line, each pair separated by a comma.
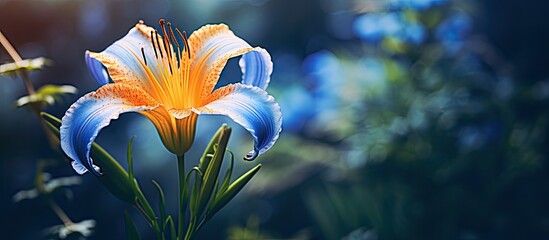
[[445, 144]]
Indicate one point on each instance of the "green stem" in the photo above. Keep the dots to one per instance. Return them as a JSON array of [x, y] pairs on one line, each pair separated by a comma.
[[190, 230], [154, 223], [182, 184]]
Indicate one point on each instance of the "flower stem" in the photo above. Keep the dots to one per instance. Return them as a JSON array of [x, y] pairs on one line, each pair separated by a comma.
[[16, 58], [37, 108], [60, 213], [182, 184]]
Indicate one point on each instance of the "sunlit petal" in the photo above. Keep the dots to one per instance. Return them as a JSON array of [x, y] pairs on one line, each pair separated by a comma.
[[211, 47], [127, 62], [94, 111], [252, 108]]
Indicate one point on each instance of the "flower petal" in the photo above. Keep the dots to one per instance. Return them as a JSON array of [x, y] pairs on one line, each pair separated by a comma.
[[97, 70], [94, 111], [256, 68], [175, 127], [126, 62], [211, 47], [252, 108]]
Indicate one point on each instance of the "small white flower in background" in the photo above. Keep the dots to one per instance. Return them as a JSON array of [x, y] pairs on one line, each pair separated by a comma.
[[62, 231], [49, 186]]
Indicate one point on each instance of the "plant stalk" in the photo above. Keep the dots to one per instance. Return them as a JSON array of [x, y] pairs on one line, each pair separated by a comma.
[[16, 58], [182, 184]]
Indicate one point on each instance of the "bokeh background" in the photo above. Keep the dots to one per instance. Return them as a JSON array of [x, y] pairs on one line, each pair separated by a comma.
[[403, 119]]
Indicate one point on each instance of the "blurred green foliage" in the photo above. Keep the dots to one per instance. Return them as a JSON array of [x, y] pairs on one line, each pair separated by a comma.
[[433, 139]]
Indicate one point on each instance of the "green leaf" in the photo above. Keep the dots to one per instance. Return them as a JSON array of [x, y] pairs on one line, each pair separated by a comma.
[[54, 121], [195, 195], [141, 202], [210, 149], [231, 192], [212, 170], [224, 185], [27, 64], [161, 203], [129, 157], [227, 179], [131, 230], [169, 220], [114, 177], [185, 194], [47, 95], [193, 200]]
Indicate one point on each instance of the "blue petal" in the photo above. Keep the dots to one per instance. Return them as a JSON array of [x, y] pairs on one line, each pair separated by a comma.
[[92, 112], [256, 68], [252, 108], [97, 70]]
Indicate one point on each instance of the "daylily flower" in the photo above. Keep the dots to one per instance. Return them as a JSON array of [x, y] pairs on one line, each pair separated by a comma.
[[170, 79]]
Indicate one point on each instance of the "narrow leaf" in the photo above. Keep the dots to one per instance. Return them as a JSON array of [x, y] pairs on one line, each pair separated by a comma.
[[54, 121], [227, 179], [212, 171], [210, 149], [169, 220], [161, 203], [186, 198], [224, 185], [194, 197], [131, 230], [231, 192], [129, 157]]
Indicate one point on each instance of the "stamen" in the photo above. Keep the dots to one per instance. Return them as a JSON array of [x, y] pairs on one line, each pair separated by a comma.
[[185, 41], [166, 37], [181, 36], [187, 44], [154, 45], [143, 53], [158, 42], [172, 35], [177, 53]]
